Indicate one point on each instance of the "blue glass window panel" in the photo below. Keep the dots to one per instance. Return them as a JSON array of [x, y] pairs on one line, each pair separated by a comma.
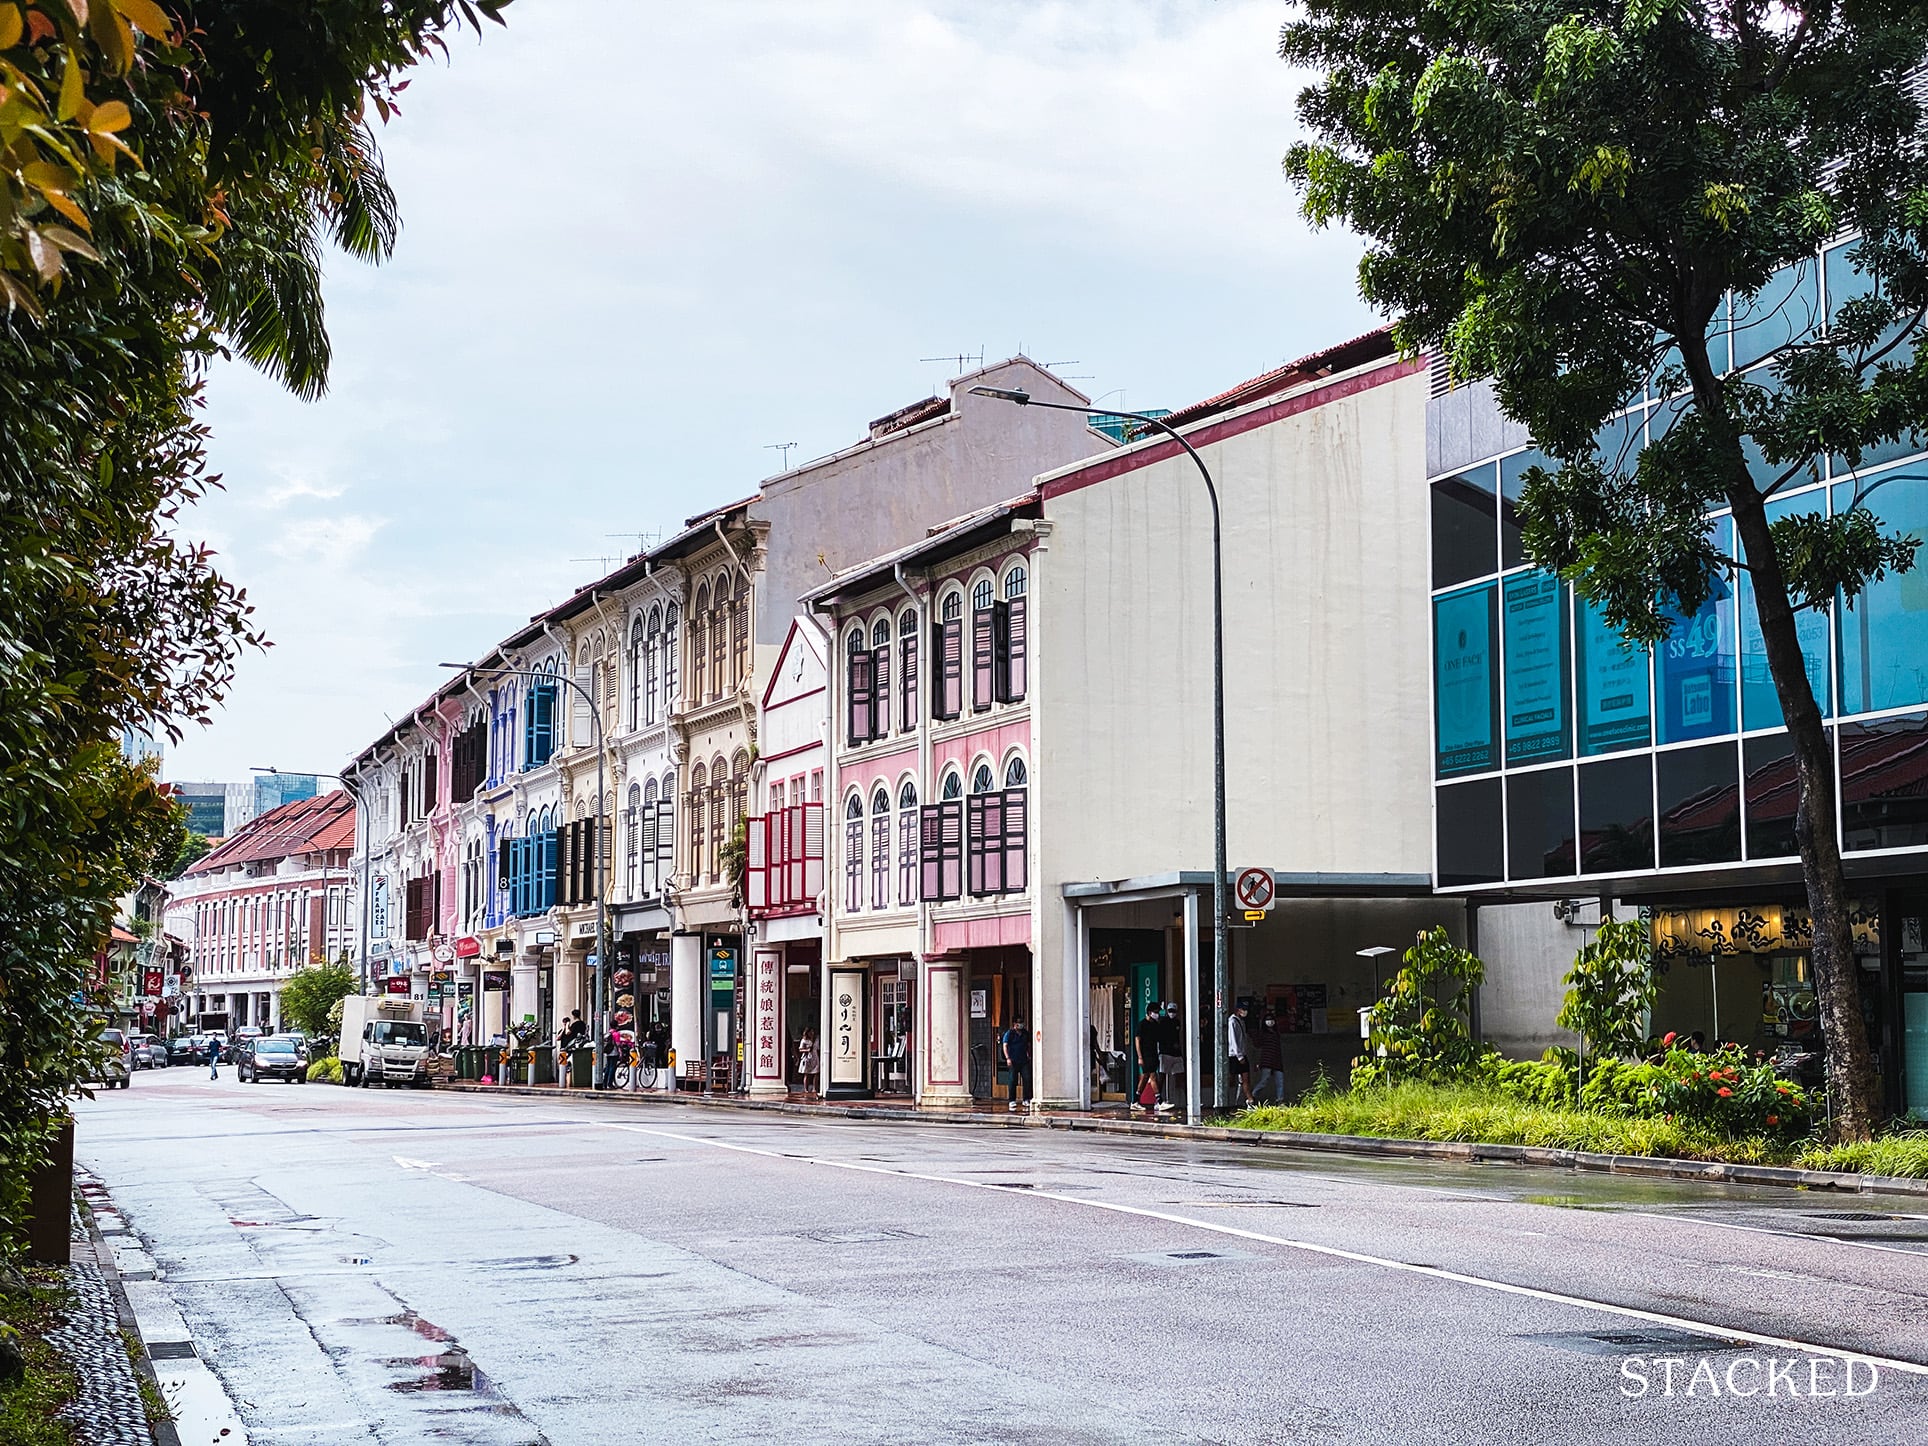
[[1616, 699], [1845, 281], [1616, 446], [1884, 632], [1537, 669], [1513, 471], [1694, 665], [1465, 530], [1787, 308], [1466, 680], [1760, 703]]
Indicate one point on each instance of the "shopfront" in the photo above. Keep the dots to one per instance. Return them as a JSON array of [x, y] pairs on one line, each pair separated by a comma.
[[997, 985]]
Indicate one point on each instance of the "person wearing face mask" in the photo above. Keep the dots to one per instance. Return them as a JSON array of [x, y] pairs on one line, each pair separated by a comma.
[[1268, 1060], [1238, 1051], [1171, 1055]]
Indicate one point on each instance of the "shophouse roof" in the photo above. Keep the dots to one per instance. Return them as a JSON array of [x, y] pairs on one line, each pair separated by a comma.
[[320, 824]]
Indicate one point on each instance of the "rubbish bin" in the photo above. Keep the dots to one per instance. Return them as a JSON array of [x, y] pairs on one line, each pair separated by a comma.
[[465, 1063], [544, 1065], [582, 1068]]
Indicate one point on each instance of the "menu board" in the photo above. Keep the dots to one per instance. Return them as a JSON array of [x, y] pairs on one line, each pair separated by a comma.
[[1463, 681], [1536, 692]]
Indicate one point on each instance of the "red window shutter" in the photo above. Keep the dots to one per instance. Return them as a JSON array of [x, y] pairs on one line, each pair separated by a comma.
[[951, 849], [1016, 873], [930, 848], [757, 868], [880, 692], [813, 881], [974, 844], [983, 655], [861, 697], [907, 685], [993, 843]]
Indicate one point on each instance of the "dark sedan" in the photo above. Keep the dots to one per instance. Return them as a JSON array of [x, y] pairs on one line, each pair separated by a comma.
[[273, 1058], [188, 1049]]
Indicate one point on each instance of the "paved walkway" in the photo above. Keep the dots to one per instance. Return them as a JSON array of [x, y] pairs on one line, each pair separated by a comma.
[[109, 1410]]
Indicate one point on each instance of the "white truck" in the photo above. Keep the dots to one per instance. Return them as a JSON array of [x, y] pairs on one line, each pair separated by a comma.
[[383, 1041]]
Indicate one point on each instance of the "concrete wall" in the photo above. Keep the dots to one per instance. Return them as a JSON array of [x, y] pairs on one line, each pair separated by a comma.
[[1527, 953], [879, 496]]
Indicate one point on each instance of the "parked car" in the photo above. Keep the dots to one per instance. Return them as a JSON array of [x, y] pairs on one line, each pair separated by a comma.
[[300, 1037], [114, 1070], [241, 1036], [272, 1058], [146, 1051], [188, 1049]]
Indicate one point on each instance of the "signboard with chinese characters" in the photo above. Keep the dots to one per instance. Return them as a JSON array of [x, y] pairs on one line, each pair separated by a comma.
[[846, 1064], [766, 1020]]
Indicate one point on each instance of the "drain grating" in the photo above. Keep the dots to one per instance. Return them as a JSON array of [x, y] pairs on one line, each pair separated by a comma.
[[1617, 1343], [857, 1237], [1194, 1255], [170, 1350], [1848, 1215]]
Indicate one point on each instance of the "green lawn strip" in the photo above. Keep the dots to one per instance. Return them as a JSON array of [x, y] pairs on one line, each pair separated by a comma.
[[27, 1408], [1902, 1153]]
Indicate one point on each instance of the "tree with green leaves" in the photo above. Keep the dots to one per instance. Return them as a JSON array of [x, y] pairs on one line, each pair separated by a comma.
[[1611, 989], [310, 993], [1562, 197], [1420, 1027], [171, 172]]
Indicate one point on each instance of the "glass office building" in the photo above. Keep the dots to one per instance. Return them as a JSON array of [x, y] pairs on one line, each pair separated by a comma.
[[1569, 764]]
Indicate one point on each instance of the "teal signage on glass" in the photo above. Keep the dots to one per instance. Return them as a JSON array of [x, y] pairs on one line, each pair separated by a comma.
[[1465, 682], [1694, 664], [1616, 709], [1760, 703], [1884, 632], [1536, 668]]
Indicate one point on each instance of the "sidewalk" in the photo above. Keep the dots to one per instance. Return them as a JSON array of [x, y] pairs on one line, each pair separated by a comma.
[[1109, 1123]]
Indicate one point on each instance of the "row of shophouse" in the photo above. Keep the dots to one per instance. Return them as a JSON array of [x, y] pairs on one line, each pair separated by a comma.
[[915, 742]]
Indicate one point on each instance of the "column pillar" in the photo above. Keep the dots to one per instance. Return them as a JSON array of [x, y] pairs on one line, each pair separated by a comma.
[[942, 1063], [766, 1052]]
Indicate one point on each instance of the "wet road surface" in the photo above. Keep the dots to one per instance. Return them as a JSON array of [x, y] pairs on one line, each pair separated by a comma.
[[362, 1266]]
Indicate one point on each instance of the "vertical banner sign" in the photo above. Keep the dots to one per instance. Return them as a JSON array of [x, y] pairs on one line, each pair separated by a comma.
[[1615, 710], [847, 1026], [1536, 702], [1463, 680], [766, 1063]]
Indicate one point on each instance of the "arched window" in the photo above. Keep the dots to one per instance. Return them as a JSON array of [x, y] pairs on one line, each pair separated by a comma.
[[719, 636], [953, 786], [983, 780], [880, 848], [633, 843], [880, 633], [1014, 774], [670, 659], [953, 606], [1014, 582], [699, 643], [907, 842], [981, 595], [907, 669], [739, 788], [853, 853], [587, 683], [637, 665]]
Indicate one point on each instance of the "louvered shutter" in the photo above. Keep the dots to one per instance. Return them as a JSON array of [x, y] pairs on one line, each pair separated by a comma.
[[756, 869], [861, 695], [566, 863], [951, 849], [983, 656], [974, 843], [853, 865], [880, 860], [646, 847], [1016, 671], [599, 857], [948, 674], [907, 852], [880, 692], [579, 699], [665, 842], [812, 853], [907, 684], [429, 765], [1016, 858], [993, 823], [930, 830], [546, 885]]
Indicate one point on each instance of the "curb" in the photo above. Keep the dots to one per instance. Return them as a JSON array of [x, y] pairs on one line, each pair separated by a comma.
[[165, 1433], [1707, 1172]]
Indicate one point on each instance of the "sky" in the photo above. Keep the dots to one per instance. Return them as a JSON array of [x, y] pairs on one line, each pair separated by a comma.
[[644, 243]]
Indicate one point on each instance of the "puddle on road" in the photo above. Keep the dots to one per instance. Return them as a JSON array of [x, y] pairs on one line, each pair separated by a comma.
[[452, 1370]]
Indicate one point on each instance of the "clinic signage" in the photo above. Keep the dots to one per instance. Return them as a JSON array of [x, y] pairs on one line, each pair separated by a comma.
[[1536, 672], [1465, 682]]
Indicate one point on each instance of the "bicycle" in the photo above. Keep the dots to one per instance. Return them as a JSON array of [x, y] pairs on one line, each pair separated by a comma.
[[637, 1070]]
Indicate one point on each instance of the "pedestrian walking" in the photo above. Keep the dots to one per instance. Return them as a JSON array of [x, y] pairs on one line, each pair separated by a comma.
[[1171, 1056], [1268, 1054], [1017, 1059], [616, 1053], [1237, 1057], [214, 1056], [808, 1060], [1145, 1046]]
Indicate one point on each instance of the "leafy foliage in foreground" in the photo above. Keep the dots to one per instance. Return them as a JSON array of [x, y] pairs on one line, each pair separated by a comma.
[[170, 172], [27, 1407]]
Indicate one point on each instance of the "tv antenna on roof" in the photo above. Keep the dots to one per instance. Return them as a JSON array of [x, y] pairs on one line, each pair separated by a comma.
[[1052, 367], [784, 448], [964, 359], [644, 539]]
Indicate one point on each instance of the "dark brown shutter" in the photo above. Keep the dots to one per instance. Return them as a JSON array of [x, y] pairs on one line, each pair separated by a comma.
[[974, 844], [1016, 872], [429, 765], [949, 673], [983, 655], [929, 851], [861, 695], [993, 826], [880, 692]]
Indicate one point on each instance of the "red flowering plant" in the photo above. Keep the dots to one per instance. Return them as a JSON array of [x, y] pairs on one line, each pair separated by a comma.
[[1726, 1090]]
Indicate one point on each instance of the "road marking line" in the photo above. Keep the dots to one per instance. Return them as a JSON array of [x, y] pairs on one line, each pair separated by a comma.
[[1783, 1234], [1625, 1312]]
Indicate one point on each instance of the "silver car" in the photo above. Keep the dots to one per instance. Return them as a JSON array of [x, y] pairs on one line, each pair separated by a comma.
[[115, 1070]]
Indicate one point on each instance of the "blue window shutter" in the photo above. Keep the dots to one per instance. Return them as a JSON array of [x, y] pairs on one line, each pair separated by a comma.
[[548, 898]]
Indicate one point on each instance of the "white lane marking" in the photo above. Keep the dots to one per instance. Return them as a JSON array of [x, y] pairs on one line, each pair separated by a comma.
[[1783, 1234], [1625, 1312], [408, 1164], [431, 1167]]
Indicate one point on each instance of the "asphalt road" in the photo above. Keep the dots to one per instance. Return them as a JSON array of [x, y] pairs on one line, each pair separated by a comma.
[[404, 1267]]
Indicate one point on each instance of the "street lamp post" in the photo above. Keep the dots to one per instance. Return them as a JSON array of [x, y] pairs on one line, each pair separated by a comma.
[[602, 917], [1220, 958], [367, 821]]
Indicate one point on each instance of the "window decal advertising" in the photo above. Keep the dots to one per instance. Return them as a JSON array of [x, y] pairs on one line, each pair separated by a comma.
[[1465, 684], [1536, 674], [1616, 709], [1695, 665]]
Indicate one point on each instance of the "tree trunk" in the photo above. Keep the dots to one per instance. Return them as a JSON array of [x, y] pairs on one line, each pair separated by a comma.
[[1853, 1103]]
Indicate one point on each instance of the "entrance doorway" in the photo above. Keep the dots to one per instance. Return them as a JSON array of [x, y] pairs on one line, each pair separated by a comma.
[[999, 991]]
